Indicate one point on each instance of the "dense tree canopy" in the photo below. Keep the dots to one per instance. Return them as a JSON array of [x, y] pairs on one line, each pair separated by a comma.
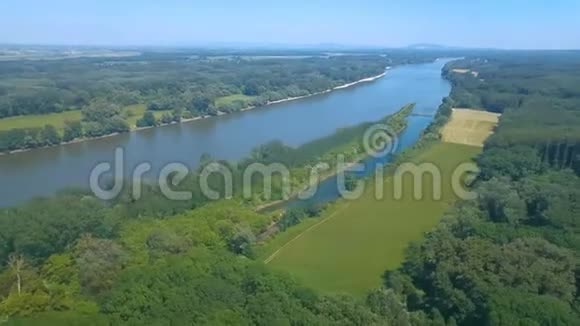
[[511, 256]]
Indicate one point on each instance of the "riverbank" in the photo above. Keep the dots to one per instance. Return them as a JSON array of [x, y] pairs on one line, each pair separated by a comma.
[[230, 138], [219, 113], [265, 207], [343, 237], [403, 113], [364, 80]]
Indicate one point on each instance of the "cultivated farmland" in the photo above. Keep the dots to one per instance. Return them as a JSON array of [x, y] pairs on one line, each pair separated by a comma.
[[360, 239], [470, 127]]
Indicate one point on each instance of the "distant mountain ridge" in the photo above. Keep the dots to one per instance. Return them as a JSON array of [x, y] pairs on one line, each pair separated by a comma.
[[430, 46]]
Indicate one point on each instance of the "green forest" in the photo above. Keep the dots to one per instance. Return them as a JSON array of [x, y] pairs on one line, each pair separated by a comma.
[[510, 257], [182, 85], [67, 256]]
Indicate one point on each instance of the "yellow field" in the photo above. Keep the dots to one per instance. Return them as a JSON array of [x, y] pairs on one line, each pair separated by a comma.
[[469, 127]]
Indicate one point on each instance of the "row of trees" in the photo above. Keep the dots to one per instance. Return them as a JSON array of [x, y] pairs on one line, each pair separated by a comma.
[[15, 139], [149, 120], [98, 119]]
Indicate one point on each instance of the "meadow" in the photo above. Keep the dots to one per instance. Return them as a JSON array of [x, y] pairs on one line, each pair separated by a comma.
[[359, 240], [225, 100], [40, 120], [132, 113]]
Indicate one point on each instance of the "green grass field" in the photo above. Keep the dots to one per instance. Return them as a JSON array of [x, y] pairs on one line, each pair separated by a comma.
[[221, 101], [131, 112], [39, 120], [357, 241], [135, 112]]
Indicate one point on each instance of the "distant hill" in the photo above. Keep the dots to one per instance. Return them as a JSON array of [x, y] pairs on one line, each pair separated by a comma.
[[430, 46]]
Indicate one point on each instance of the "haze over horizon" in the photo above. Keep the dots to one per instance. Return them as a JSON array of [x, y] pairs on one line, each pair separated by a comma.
[[479, 24]]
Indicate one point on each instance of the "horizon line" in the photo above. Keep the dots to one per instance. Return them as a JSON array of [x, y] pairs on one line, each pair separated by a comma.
[[279, 46]]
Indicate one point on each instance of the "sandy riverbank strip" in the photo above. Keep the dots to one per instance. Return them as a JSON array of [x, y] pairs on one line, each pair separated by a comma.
[[364, 80]]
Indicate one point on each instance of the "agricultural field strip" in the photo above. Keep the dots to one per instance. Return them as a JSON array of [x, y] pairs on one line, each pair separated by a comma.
[[275, 254], [470, 127], [347, 258]]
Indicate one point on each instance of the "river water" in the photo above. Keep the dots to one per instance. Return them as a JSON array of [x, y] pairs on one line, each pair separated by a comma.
[[42, 172], [328, 189]]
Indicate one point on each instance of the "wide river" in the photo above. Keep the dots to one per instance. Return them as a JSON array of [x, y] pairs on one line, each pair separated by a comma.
[[45, 171]]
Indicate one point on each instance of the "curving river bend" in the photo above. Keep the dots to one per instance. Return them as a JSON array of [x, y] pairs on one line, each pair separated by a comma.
[[42, 172]]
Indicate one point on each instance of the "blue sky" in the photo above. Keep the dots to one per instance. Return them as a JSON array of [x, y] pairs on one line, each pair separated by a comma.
[[472, 23]]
